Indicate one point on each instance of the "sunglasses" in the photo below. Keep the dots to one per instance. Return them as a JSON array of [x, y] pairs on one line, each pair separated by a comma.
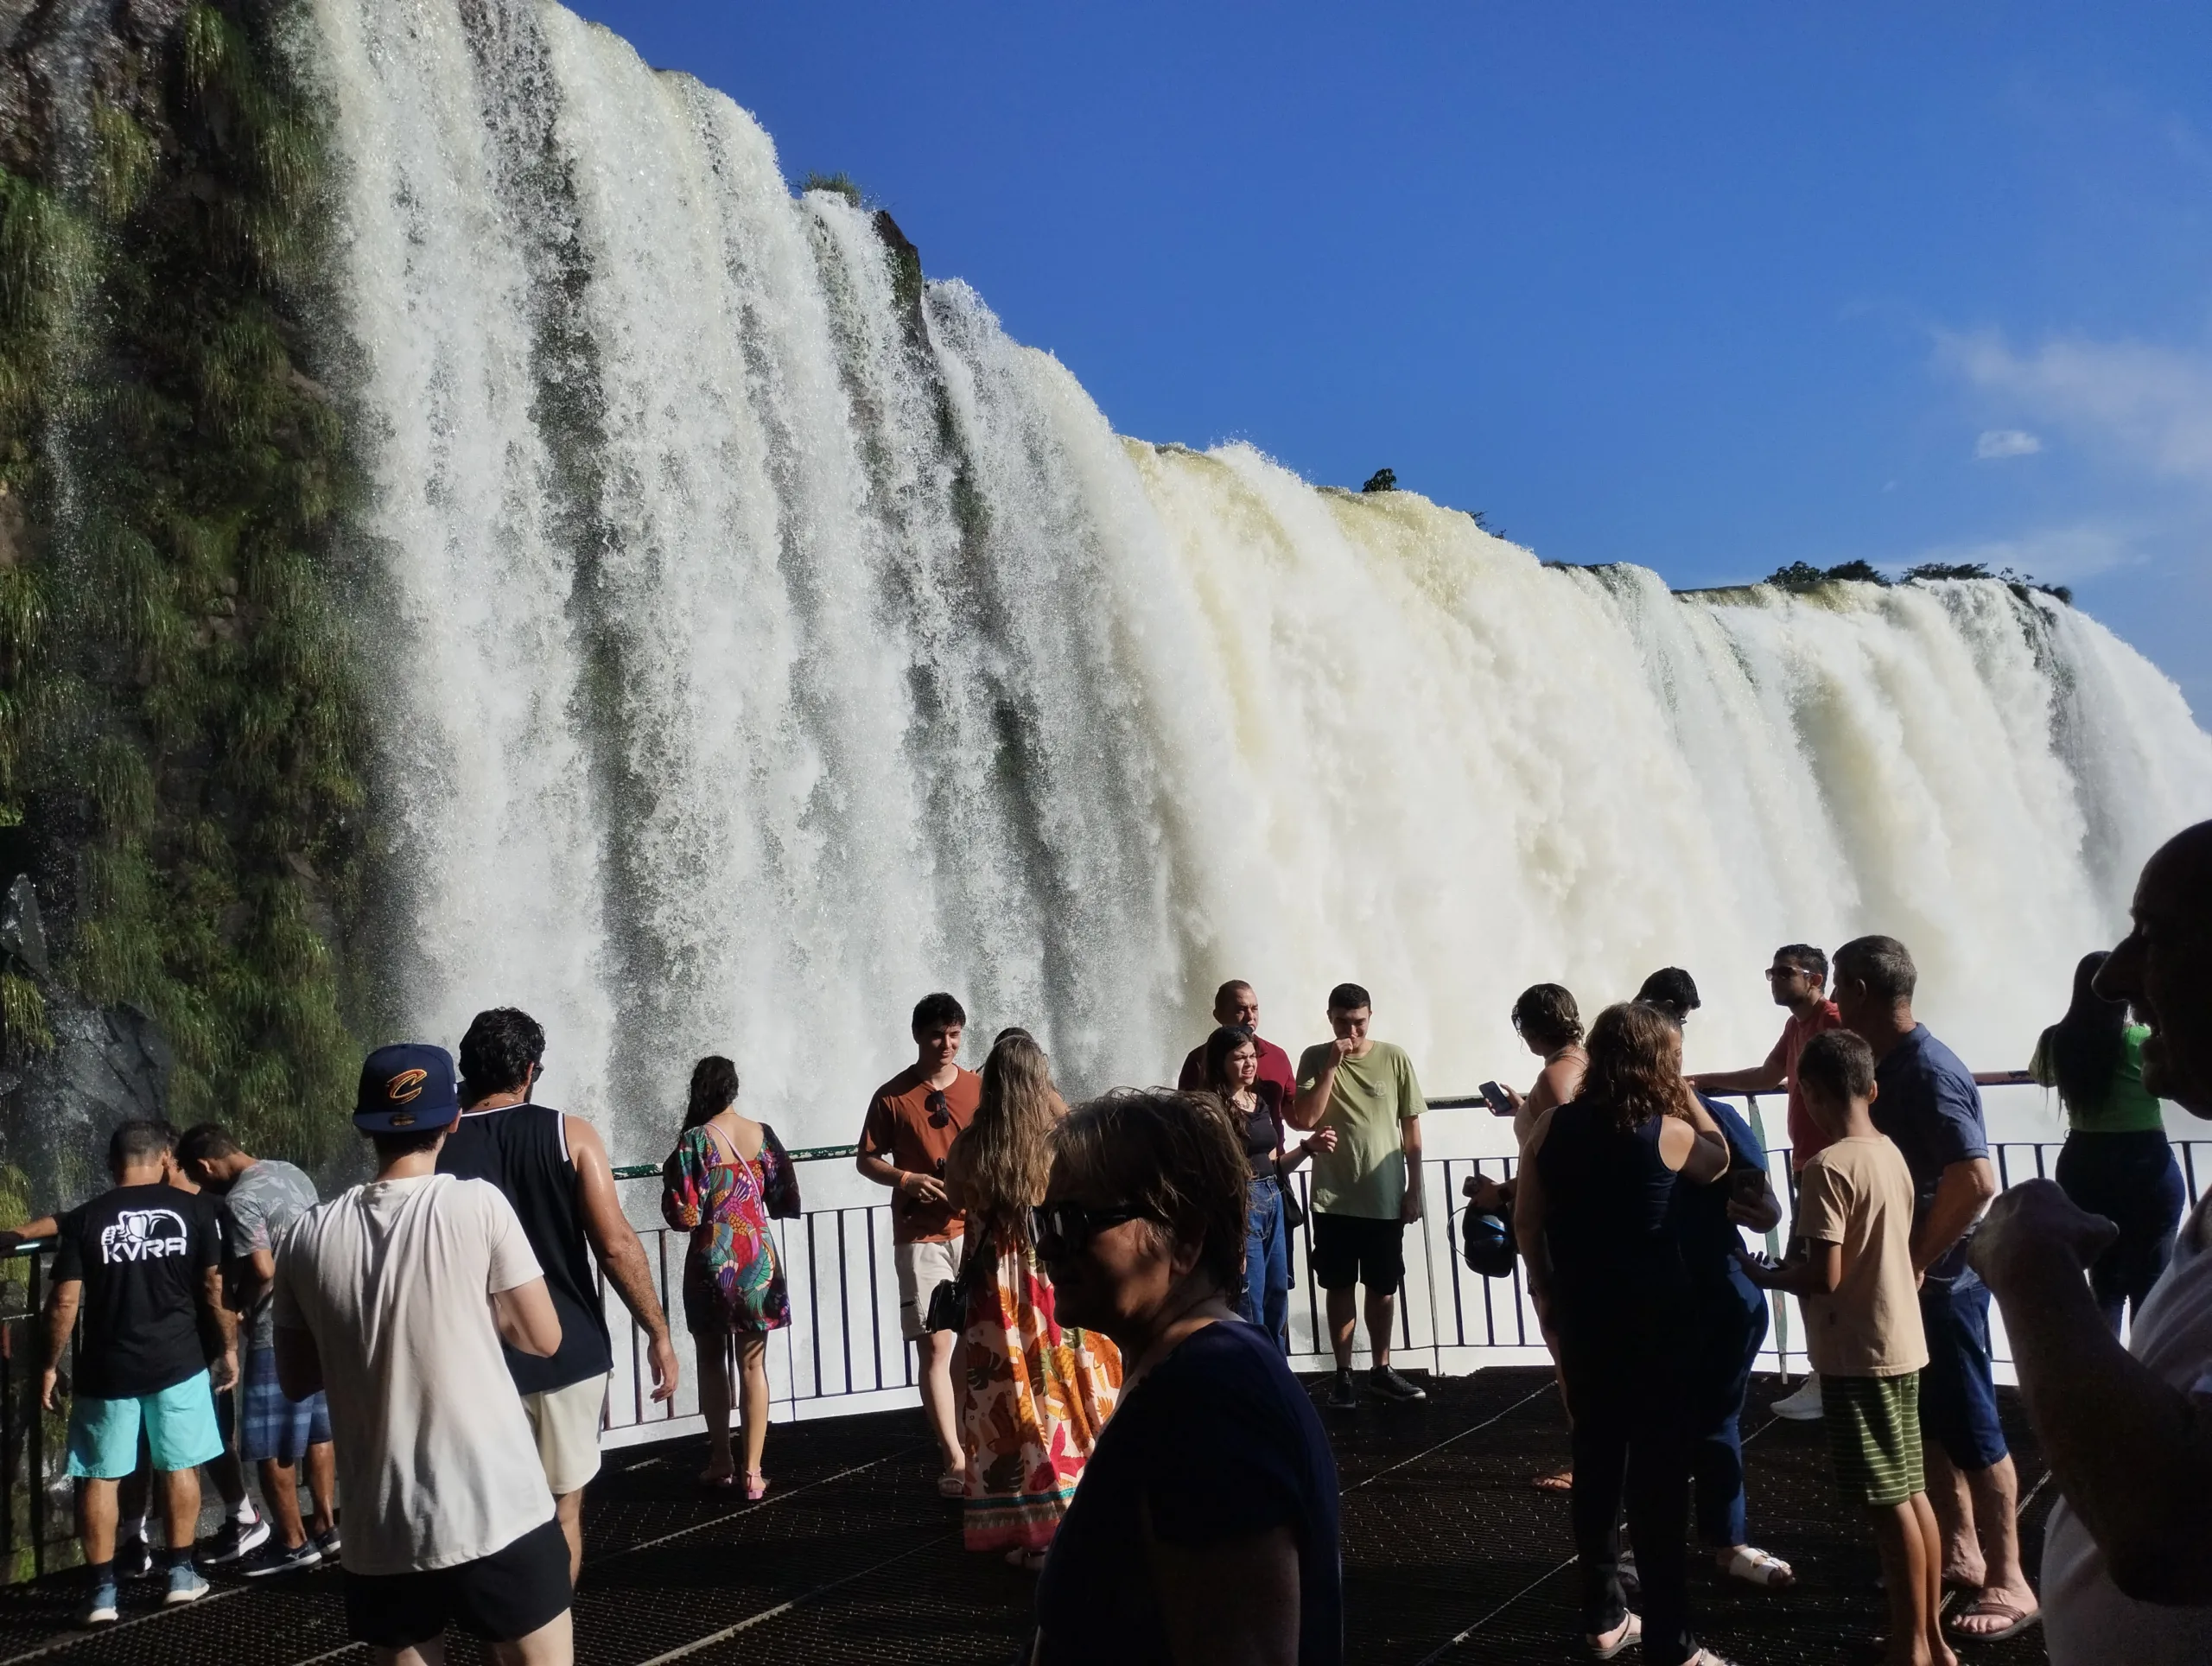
[[1774, 973], [940, 1112], [1064, 1230]]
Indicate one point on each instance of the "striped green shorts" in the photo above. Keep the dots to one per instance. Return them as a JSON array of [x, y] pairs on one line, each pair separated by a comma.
[[1873, 1425]]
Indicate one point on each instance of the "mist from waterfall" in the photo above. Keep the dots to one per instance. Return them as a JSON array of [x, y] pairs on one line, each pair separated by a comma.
[[773, 642]]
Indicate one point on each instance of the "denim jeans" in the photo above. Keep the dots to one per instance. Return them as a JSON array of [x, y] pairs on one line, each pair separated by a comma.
[[1727, 1324], [1266, 1301]]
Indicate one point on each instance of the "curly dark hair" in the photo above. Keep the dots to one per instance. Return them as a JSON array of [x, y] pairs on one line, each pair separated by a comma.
[[1547, 1012], [1635, 1071], [1175, 1156], [499, 1050]]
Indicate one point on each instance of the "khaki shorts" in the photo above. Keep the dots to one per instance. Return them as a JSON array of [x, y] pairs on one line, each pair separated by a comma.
[[922, 1268], [565, 1423]]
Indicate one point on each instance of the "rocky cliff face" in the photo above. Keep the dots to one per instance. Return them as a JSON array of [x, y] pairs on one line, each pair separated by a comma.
[[178, 736]]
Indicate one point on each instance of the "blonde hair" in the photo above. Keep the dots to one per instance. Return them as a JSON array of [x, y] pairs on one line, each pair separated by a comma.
[[1003, 1153]]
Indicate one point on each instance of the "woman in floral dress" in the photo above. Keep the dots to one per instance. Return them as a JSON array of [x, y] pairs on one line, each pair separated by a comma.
[[727, 1176], [1035, 1395]]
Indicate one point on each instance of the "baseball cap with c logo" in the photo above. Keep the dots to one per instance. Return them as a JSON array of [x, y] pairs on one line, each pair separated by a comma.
[[405, 1087]]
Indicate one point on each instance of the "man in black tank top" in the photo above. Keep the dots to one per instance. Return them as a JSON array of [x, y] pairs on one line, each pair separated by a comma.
[[553, 1170]]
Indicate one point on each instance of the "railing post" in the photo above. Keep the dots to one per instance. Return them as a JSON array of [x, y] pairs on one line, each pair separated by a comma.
[[36, 1444], [10, 1456]]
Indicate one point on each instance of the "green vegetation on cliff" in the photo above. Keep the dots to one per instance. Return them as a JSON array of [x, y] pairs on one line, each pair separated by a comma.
[[180, 741]]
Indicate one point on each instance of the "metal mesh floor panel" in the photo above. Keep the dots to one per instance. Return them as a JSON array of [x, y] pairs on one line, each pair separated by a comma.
[[1451, 1557]]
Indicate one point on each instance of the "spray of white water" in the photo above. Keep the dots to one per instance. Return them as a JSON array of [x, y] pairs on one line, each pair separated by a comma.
[[775, 641]]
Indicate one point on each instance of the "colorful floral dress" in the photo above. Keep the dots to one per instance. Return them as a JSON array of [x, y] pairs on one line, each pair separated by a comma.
[[1037, 1397], [733, 1278]]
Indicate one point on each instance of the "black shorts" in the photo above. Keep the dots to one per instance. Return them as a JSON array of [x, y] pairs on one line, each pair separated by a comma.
[[1350, 1250], [501, 1598]]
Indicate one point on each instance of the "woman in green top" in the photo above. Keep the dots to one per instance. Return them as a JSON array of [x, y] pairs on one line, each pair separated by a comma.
[[2116, 1161]]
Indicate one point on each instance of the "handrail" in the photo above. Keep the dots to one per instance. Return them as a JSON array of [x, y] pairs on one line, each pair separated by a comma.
[[1987, 1078], [809, 1155]]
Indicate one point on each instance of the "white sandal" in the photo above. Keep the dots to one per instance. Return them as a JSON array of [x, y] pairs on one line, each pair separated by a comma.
[[1759, 1567]]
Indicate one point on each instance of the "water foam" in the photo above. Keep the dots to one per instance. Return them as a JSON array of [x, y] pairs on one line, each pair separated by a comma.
[[780, 646]]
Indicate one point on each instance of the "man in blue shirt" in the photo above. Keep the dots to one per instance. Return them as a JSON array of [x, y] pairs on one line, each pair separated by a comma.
[[1926, 1101]]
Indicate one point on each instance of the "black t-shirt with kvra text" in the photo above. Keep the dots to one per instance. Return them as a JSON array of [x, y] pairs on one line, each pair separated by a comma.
[[142, 1252]]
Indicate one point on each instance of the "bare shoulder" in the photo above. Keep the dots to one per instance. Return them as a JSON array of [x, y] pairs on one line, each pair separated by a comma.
[[1539, 1127], [747, 1135], [582, 1137], [1562, 1077]]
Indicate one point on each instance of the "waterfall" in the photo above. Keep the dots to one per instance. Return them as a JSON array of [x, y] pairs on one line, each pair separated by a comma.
[[764, 640]]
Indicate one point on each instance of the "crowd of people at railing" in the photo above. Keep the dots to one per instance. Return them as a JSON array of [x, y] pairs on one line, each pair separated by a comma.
[[1097, 1300]]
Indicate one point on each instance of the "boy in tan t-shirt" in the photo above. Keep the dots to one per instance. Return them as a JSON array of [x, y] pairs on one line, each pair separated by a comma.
[[1851, 1261]]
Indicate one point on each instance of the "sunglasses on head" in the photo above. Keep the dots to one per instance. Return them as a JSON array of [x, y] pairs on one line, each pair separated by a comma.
[[1061, 1230]]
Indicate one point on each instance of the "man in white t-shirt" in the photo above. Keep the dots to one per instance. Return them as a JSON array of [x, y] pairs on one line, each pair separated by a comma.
[[392, 1300], [2127, 1555]]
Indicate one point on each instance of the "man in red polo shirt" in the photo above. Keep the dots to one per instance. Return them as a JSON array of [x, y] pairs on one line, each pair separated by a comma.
[[1798, 979], [1234, 1003], [911, 1123]]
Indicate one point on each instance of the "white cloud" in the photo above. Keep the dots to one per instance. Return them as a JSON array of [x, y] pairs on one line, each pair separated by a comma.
[[1996, 442], [2147, 405]]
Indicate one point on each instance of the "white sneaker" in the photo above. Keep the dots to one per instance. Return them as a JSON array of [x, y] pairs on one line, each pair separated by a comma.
[[1804, 1406]]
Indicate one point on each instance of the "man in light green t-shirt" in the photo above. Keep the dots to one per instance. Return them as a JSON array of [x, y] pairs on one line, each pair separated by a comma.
[[1367, 1190]]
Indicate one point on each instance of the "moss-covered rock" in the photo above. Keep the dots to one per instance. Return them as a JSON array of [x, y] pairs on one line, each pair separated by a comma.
[[180, 749]]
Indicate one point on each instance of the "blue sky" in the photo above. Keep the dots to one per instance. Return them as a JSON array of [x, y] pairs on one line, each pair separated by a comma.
[[1713, 288]]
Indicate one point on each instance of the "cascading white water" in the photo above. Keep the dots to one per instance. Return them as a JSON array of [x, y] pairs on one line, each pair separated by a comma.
[[768, 646]]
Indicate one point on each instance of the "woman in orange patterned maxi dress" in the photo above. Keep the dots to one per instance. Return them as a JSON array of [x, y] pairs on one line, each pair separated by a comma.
[[1034, 1395]]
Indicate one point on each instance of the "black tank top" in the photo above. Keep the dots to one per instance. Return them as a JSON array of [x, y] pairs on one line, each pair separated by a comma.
[[1263, 1133], [1605, 1196], [523, 1150]]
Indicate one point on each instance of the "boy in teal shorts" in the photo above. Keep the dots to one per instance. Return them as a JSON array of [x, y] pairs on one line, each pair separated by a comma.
[[1851, 1262], [146, 1273]]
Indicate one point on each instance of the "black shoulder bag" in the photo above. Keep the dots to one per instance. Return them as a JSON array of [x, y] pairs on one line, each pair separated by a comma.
[[948, 1304]]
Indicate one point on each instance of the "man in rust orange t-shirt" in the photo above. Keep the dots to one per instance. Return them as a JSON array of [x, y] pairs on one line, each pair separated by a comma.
[[911, 1123], [1798, 979]]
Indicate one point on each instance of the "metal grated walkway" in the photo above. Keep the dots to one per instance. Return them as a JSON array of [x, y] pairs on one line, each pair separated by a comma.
[[1450, 1557]]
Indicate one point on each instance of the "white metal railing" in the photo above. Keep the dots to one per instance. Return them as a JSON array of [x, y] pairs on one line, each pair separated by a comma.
[[842, 1351]]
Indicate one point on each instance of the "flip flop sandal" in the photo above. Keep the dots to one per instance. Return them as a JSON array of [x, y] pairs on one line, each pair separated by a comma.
[[2015, 1621], [756, 1486], [1632, 1632], [1556, 1480], [719, 1483], [1756, 1566]]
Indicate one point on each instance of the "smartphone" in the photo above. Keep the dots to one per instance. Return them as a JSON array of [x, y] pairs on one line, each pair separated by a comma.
[[1747, 1186], [1494, 1097]]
